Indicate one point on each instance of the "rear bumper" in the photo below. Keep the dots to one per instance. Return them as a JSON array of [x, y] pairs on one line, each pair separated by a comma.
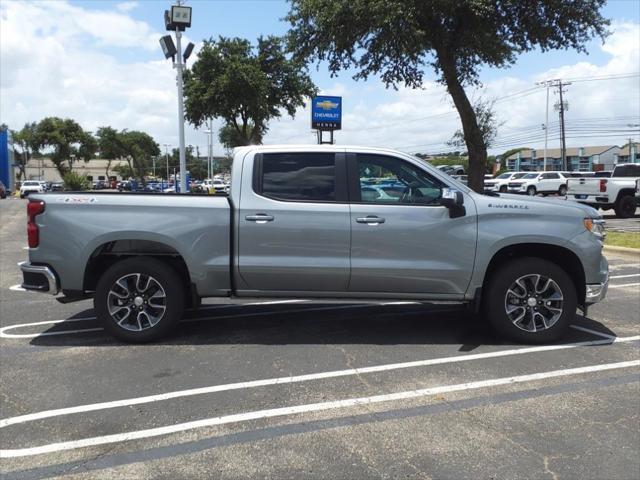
[[589, 198], [39, 278]]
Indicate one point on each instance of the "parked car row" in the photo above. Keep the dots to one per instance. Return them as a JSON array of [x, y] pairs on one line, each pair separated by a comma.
[[617, 189]]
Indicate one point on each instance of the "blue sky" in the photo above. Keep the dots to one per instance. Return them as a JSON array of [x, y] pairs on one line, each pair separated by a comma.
[[106, 67]]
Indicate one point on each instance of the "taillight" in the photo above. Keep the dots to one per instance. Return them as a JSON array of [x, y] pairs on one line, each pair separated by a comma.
[[34, 208], [603, 184]]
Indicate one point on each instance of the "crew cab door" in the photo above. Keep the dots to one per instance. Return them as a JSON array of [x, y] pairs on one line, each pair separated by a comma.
[[549, 182], [403, 239], [293, 223]]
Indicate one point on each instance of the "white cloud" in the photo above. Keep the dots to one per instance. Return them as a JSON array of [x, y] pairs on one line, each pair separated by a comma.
[[126, 6], [65, 60]]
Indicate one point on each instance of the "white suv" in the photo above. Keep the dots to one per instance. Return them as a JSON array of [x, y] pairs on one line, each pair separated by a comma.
[[501, 182], [31, 186], [540, 182]]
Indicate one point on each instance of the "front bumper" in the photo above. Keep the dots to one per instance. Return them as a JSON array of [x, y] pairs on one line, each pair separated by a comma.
[[39, 278], [595, 292]]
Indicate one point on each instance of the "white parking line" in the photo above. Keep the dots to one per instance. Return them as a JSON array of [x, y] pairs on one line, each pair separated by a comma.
[[301, 378], [3, 330], [4, 334], [625, 285], [307, 408], [624, 265], [17, 288], [625, 276]]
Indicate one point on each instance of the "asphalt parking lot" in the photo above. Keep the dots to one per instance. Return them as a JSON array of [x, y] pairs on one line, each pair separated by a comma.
[[314, 390]]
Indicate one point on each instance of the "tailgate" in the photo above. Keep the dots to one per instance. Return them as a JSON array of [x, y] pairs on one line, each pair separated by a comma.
[[585, 186]]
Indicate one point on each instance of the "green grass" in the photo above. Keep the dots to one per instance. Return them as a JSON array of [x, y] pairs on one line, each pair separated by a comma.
[[620, 239]]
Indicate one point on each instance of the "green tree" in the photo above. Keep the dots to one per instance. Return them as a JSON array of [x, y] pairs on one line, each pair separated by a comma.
[[67, 141], [397, 39], [487, 123], [138, 149], [25, 140], [196, 166], [230, 137], [110, 146], [245, 86]]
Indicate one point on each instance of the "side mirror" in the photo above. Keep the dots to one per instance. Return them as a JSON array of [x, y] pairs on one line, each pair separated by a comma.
[[454, 201]]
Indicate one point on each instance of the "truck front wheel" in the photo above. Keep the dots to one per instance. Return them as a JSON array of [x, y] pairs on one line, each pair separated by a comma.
[[530, 300], [625, 207], [139, 300]]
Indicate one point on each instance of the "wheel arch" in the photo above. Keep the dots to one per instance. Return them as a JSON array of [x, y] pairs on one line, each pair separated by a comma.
[[111, 252], [561, 256], [625, 192]]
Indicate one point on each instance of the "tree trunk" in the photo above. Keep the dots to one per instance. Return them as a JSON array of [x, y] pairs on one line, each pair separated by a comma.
[[472, 133]]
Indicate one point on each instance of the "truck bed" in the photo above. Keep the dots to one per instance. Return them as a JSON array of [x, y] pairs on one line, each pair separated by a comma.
[[75, 226]]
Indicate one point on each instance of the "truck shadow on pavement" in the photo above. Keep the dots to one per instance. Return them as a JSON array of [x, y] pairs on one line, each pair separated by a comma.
[[316, 323]]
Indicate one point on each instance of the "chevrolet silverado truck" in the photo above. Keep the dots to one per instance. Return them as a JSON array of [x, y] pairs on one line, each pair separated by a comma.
[[617, 191], [298, 224]]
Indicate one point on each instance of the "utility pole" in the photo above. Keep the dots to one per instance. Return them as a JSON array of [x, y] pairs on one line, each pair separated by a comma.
[[562, 106], [547, 84]]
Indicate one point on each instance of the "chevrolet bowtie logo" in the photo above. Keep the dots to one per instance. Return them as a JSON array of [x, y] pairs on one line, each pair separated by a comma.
[[326, 105]]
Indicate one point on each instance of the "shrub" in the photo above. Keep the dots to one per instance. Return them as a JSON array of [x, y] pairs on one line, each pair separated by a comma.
[[75, 182]]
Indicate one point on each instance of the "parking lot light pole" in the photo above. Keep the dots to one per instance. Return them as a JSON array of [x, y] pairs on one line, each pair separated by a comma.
[[178, 20], [183, 158], [166, 153]]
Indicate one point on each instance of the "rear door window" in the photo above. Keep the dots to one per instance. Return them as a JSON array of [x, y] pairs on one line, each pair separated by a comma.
[[309, 177]]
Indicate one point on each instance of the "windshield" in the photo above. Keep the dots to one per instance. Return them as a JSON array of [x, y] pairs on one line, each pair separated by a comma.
[[504, 175], [530, 176], [31, 184]]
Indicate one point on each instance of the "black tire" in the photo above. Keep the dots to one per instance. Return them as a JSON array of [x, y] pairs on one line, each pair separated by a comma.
[[503, 189], [164, 275], [625, 207], [562, 191], [495, 300], [531, 191]]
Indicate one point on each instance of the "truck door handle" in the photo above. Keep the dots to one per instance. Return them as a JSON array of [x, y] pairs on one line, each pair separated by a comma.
[[370, 220], [260, 218]]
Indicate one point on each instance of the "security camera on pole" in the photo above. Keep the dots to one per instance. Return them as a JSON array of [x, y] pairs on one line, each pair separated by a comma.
[[177, 20]]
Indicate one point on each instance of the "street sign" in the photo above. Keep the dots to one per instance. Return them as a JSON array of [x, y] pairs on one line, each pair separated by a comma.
[[326, 113]]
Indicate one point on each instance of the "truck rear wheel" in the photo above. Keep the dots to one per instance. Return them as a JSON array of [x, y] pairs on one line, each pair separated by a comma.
[[625, 207], [530, 300], [139, 300]]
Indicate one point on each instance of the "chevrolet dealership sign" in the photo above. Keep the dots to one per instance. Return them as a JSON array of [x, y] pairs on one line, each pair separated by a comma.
[[326, 113]]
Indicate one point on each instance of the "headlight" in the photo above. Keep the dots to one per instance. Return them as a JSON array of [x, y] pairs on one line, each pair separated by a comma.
[[595, 226]]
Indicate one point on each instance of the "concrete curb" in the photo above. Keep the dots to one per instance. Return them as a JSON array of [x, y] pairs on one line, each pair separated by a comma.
[[623, 250]]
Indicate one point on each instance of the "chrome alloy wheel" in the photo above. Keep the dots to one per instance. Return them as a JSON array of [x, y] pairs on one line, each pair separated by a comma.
[[533, 303], [136, 302]]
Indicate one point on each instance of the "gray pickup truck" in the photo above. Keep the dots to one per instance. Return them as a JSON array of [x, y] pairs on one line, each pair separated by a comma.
[[320, 221]]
